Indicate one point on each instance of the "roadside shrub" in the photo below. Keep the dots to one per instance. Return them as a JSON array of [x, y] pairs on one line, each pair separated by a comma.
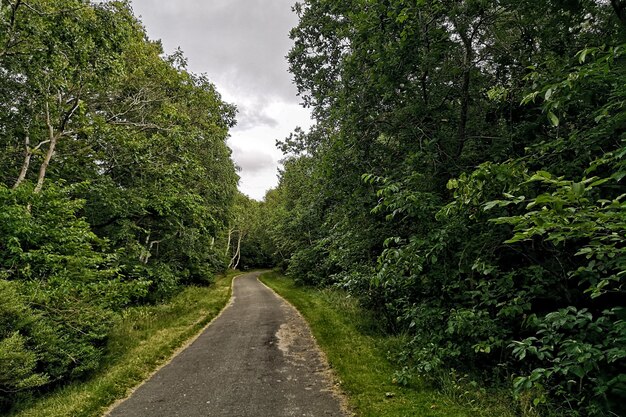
[[59, 289]]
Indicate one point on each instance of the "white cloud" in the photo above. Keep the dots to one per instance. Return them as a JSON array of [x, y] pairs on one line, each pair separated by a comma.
[[252, 162], [252, 147], [241, 46]]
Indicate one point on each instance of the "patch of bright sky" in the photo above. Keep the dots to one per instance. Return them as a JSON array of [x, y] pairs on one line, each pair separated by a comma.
[[241, 46]]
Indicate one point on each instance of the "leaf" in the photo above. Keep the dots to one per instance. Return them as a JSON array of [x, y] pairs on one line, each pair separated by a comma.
[[553, 119], [491, 204], [529, 97], [619, 175], [578, 188], [540, 176], [548, 94], [599, 182]]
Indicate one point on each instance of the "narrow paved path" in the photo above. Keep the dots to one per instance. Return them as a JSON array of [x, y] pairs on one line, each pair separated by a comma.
[[256, 359]]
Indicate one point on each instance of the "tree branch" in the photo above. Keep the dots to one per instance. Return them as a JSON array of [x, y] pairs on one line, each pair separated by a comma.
[[11, 39], [27, 155], [46, 161]]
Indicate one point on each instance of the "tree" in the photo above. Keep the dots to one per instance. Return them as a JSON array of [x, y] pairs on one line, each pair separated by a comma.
[[115, 183], [442, 128]]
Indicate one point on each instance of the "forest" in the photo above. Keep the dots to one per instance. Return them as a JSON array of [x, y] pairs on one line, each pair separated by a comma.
[[116, 184], [464, 180]]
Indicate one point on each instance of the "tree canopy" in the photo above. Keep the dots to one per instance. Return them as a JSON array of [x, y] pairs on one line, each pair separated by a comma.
[[464, 180], [116, 184]]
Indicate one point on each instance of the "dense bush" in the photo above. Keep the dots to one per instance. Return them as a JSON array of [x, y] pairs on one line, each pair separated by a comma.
[[465, 181], [116, 184], [58, 290]]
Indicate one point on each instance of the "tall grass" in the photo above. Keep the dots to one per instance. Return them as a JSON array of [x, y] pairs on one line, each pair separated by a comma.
[[143, 339], [359, 352]]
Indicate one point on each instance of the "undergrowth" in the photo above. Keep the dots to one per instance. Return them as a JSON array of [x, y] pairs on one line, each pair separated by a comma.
[[142, 339], [362, 357]]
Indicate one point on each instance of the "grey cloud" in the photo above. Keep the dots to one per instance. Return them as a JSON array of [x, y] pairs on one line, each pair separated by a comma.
[[249, 117], [252, 162], [239, 43]]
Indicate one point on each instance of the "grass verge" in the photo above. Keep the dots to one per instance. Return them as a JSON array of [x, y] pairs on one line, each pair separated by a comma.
[[142, 340], [359, 356]]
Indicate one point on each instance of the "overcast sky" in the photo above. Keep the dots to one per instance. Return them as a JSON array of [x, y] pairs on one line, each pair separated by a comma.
[[241, 46]]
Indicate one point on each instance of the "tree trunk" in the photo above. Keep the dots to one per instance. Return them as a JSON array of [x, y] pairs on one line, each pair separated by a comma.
[[465, 86], [27, 155], [53, 138], [234, 261], [230, 233], [238, 254], [619, 6], [46, 161]]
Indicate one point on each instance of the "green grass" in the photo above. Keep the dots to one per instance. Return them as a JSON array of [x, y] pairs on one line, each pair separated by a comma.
[[358, 353], [143, 339]]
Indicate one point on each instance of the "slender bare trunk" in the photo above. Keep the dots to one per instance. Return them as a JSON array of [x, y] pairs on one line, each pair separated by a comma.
[[145, 253], [465, 96], [230, 233], [53, 137], [28, 153], [234, 261], [238, 253], [424, 84], [152, 243], [46, 161]]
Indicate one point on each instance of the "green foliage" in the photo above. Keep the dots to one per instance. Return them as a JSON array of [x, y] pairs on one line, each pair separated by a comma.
[[116, 184], [248, 244], [18, 365], [59, 289], [18, 370], [141, 340], [583, 356], [464, 180], [359, 354]]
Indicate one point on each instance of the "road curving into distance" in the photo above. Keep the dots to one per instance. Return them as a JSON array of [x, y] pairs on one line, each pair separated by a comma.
[[257, 358]]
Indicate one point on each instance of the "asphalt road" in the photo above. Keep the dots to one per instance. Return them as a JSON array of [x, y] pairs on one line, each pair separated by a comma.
[[256, 359]]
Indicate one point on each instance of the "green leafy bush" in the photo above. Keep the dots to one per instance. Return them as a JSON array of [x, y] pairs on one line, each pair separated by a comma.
[[464, 180], [59, 290], [116, 184]]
